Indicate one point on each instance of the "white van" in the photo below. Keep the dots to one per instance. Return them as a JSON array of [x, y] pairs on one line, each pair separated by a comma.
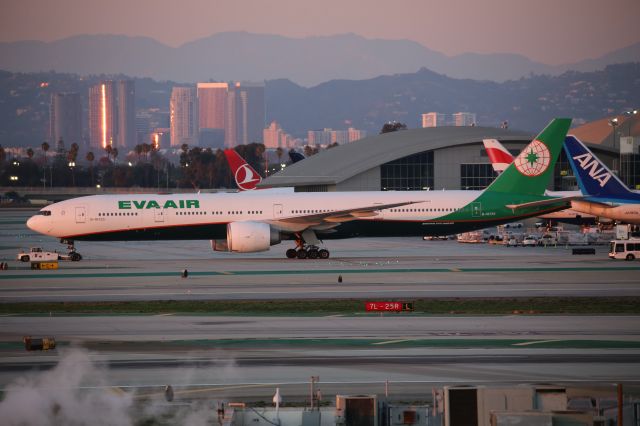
[[625, 249]]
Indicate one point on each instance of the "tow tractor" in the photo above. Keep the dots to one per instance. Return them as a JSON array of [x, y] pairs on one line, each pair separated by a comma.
[[36, 254]]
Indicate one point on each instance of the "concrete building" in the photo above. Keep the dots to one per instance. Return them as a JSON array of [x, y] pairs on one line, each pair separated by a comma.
[[416, 159], [275, 137], [328, 136], [126, 106], [464, 119], [103, 119], [433, 119], [161, 138], [65, 118], [183, 107]]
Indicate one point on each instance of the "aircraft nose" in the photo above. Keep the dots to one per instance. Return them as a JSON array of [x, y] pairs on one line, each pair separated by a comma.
[[38, 223]]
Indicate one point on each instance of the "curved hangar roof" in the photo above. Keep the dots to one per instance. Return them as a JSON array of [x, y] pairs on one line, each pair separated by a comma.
[[332, 166]]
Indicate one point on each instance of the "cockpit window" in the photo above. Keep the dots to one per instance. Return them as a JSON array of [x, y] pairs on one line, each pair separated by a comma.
[[45, 212]]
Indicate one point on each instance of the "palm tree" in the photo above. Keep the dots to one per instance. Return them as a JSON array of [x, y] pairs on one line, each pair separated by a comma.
[[30, 153], [138, 150], [45, 147], [114, 154], [279, 152], [108, 149], [90, 158], [146, 149]]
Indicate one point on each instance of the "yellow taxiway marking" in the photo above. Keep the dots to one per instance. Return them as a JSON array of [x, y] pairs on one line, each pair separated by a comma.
[[455, 270], [226, 273], [165, 315], [388, 342], [536, 342]]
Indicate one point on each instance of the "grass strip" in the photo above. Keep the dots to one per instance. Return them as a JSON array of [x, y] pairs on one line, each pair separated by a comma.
[[424, 306]]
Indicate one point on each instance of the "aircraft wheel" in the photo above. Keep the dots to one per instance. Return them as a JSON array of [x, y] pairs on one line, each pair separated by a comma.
[[24, 258], [630, 257], [75, 257], [291, 254], [301, 254], [324, 254], [312, 254]]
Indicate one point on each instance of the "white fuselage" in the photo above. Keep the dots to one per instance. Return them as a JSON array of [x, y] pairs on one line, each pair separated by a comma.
[[289, 212]]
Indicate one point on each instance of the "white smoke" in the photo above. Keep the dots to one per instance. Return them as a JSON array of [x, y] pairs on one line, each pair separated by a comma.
[[76, 393], [56, 397]]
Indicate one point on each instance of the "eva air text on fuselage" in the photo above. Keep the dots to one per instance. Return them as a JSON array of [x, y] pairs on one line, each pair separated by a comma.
[[153, 204]]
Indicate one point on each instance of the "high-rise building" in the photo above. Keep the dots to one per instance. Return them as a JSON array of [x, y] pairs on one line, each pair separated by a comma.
[[126, 106], [65, 118], [183, 112], [462, 119], [245, 119], [103, 120], [433, 119], [212, 113], [212, 105]]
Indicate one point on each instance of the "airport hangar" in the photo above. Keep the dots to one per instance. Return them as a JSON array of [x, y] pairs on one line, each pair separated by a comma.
[[432, 158]]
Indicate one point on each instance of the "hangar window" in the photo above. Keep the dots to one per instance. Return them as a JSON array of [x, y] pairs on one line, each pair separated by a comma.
[[411, 173], [476, 176]]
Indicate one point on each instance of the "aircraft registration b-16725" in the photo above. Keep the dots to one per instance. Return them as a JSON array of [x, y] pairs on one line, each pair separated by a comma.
[[253, 221]]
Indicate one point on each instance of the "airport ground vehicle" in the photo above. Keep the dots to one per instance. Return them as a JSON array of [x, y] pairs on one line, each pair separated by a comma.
[[36, 254], [530, 241], [625, 249], [548, 240]]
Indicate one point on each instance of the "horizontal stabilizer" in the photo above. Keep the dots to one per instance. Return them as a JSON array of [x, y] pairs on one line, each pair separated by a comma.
[[546, 202]]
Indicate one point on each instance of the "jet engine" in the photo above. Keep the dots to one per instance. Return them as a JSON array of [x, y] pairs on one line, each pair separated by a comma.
[[247, 237]]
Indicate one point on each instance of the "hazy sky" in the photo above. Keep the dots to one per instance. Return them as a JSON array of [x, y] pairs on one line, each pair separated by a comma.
[[550, 31]]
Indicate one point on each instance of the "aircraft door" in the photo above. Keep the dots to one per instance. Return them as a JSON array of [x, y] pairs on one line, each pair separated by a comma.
[[476, 209], [277, 211], [81, 214], [159, 214]]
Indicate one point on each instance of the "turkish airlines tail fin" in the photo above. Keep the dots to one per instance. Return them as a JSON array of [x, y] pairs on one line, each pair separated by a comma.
[[498, 155], [246, 177], [594, 178]]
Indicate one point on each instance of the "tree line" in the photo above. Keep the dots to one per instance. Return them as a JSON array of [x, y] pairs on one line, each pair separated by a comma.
[[144, 166]]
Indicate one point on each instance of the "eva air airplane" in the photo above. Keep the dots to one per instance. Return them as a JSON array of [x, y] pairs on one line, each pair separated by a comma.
[[253, 221]]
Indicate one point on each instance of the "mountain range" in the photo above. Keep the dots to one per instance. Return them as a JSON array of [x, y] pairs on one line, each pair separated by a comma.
[[255, 57], [527, 104]]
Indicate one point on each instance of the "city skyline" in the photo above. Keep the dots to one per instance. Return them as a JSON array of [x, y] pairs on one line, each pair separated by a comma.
[[558, 32]]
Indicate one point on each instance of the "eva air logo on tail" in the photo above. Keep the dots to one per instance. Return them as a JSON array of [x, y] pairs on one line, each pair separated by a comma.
[[534, 160]]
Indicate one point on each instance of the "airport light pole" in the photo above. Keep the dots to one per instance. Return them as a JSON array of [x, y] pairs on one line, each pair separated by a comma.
[[614, 124], [630, 113]]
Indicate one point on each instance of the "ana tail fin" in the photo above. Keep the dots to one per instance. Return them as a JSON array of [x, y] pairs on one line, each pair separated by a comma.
[[593, 176], [245, 176], [531, 170]]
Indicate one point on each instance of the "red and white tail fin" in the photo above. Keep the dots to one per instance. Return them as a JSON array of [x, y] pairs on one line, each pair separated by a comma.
[[498, 155], [246, 177]]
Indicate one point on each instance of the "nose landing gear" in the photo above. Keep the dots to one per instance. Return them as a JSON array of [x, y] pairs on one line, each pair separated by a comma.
[[72, 254]]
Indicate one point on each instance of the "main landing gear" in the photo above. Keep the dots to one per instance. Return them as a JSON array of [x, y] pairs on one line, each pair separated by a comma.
[[73, 255], [307, 251]]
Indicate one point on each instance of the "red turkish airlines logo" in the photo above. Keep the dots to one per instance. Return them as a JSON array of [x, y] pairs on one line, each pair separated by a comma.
[[246, 179]]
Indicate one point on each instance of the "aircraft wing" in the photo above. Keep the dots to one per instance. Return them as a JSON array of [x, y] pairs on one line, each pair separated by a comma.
[[339, 216], [546, 202]]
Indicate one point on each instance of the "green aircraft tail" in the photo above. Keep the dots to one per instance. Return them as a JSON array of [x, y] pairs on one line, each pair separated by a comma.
[[530, 172]]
